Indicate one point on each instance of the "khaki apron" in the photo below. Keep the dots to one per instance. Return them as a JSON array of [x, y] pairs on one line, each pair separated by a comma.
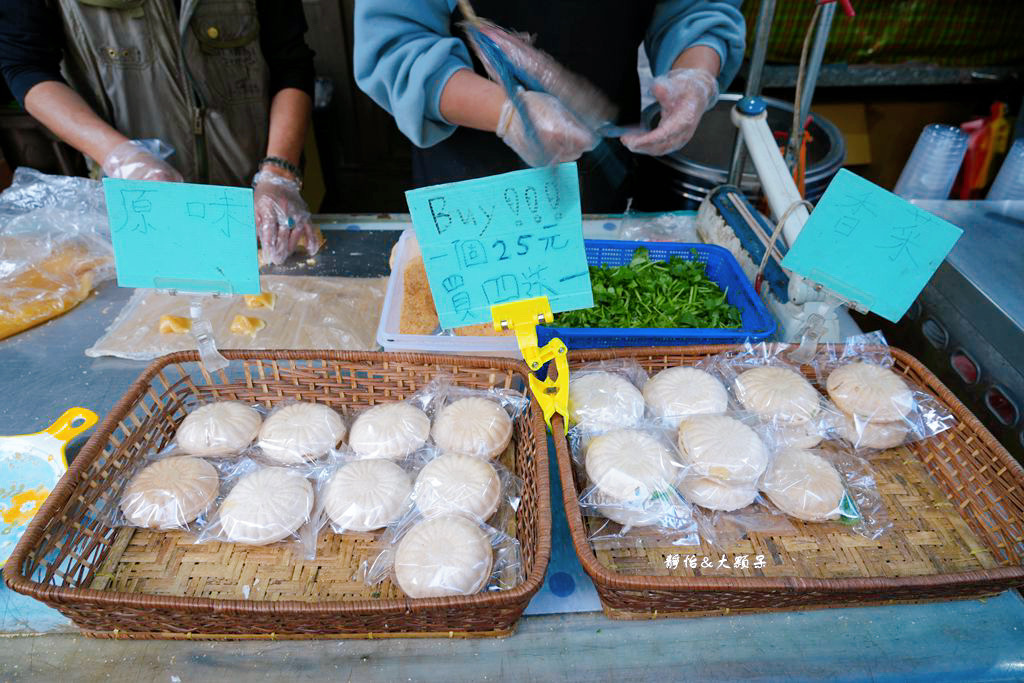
[[197, 80]]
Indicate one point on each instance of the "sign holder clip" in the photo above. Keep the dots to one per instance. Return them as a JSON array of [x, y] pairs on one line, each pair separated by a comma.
[[522, 317]]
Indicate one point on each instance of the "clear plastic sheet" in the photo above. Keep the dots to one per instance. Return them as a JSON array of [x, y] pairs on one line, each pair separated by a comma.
[[297, 433], [261, 505], [328, 313], [606, 395], [872, 406], [442, 555], [673, 226], [54, 247]]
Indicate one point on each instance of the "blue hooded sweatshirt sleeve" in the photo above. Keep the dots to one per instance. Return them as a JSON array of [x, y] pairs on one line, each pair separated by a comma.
[[405, 52]]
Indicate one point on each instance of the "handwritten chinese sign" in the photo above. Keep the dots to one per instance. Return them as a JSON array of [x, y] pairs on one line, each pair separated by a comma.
[[502, 238], [194, 238], [871, 246]]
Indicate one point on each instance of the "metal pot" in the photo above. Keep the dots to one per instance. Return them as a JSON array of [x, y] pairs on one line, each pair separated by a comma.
[[703, 163]]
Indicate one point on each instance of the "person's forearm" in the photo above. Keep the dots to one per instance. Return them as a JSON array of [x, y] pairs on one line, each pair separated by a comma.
[[67, 115], [471, 100], [289, 118], [699, 57]]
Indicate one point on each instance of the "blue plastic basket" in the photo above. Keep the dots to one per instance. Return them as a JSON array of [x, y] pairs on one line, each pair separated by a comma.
[[722, 268]]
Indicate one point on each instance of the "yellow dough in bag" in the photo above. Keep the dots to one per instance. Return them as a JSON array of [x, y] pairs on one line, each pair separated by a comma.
[[243, 324], [175, 324]]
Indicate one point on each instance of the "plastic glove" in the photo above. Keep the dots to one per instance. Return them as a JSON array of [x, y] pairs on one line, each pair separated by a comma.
[[684, 95], [561, 136], [282, 217], [132, 161]]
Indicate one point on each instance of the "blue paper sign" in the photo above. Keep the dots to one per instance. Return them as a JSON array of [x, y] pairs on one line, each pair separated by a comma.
[[870, 246], [502, 238], [193, 238]]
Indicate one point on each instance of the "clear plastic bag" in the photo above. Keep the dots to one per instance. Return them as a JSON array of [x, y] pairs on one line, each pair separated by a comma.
[[476, 422], [467, 485], [606, 395], [446, 555], [360, 495], [167, 491], [827, 485], [54, 247], [872, 405], [297, 433], [219, 429], [261, 505], [675, 393], [390, 430]]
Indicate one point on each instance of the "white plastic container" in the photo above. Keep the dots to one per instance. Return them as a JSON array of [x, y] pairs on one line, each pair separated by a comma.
[[391, 339]]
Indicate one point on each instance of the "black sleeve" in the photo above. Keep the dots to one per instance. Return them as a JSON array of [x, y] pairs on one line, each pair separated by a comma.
[[282, 41], [31, 44]]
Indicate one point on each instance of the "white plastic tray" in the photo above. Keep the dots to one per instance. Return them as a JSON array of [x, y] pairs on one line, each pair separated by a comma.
[[389, 337]]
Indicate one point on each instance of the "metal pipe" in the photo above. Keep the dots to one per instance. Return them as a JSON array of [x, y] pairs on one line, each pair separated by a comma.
[[765, 16], [810, 79]]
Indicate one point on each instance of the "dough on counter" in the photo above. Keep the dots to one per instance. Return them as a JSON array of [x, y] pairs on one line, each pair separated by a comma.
[[873, 393], [262, 300], [878, 435], [473, 426], [722, 448], [629, 465], [300, 432], [804, 485], [447, 555], [265, 506], [389, 430], [366, 494], [170, 493], [714, 495], [220, 429], [458, 484], [174, 324], [677, 392], [246, 325], [603, 400], [778, 393]]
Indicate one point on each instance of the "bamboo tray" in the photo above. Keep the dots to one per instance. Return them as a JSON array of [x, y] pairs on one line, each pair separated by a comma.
[[134, 583], [956, 502]]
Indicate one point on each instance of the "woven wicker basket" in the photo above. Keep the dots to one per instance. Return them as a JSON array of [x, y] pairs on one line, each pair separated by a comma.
[[956, 502], [144, 584]]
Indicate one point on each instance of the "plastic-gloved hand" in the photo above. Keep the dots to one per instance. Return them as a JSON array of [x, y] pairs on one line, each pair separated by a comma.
[[684, 95], [282, 217], [560, 135], [132, 161]]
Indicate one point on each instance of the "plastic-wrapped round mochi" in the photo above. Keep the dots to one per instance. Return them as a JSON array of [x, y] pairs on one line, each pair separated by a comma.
[[663, 511], [473, 426], [778, 393], [878, 435], [170, 493], [628, 465], [714, 495], [871, 392], [366, 494], [722, 448], [390, 430], [804, 485], [800, 435], [675, 393], [265, 506], [300, 432], [458, 484], [603, 400], [218, 429], [446, 555]]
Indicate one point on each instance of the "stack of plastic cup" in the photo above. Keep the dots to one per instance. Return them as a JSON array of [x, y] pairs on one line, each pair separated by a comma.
[[1009, 184], [934, 163]]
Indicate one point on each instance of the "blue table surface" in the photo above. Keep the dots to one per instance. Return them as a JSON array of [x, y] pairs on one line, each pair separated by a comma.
[[43, 371]]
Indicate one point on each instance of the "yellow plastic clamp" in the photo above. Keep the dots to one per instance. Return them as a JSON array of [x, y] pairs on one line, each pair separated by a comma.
[[523, 317]]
